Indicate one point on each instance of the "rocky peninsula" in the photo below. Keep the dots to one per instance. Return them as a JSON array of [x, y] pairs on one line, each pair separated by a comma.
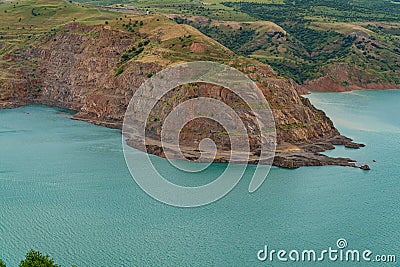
[[95, 70]]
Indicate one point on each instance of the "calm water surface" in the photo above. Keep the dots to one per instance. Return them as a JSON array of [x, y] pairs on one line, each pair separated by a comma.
[[65, 190]]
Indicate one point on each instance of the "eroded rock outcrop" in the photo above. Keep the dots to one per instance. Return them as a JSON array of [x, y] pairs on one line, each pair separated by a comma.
[[83, 68], [342, 77]]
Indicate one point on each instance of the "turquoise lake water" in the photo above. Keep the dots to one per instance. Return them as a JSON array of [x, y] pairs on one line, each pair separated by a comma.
[[65, 190]]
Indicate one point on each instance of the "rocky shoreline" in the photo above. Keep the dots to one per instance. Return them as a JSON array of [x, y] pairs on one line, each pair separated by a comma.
[[308, 154]]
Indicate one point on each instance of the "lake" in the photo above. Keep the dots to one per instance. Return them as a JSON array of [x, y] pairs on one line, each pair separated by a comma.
[[65, 190]]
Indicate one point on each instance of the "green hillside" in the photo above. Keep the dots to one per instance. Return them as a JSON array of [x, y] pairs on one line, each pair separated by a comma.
[[301, 39], [23, 22], [319, 33]]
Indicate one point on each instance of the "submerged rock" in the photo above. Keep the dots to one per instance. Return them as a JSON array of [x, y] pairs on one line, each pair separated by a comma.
[[365, 168]]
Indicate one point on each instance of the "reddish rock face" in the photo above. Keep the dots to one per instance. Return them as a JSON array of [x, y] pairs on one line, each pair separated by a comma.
[[341, 78], [324, 84], [198, 47]]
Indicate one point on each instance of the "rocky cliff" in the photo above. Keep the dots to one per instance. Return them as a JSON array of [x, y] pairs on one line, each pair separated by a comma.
[[342, 77], [95, 70]]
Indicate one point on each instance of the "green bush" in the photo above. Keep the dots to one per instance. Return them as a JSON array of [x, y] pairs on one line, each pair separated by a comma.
[[36, 259], [119, 71]]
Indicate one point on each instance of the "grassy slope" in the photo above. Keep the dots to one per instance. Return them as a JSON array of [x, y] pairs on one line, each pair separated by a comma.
[[210, 8], [320, 33], [24, 22]]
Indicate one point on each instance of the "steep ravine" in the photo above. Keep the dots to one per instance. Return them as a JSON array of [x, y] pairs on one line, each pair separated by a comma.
[[79, 68]]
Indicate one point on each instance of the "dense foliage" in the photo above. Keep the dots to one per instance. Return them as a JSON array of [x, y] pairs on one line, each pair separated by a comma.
[[315, 35], [309, 48], [35, 259], [335, 10]]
